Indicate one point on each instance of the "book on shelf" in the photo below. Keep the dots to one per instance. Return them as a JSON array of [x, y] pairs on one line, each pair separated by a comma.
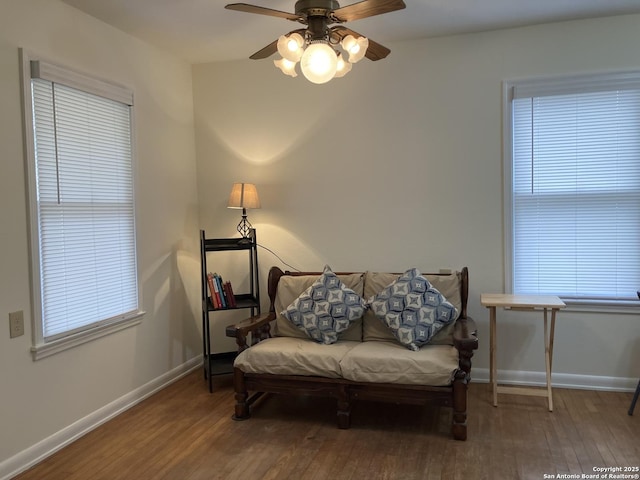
[[213, 289], [222, 295], [218, 283], [228, 291], [210, 286]]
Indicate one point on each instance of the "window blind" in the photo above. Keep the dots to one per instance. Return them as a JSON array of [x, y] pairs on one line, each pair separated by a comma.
[[85, 208], [576, 190]]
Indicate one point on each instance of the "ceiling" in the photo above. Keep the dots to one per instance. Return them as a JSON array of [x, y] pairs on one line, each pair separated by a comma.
[[204, 31]]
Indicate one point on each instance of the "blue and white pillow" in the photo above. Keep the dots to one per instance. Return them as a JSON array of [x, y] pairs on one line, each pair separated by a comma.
[[325, 309], [413, 309]]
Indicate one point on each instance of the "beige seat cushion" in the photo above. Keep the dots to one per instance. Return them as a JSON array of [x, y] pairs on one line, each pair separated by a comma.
[[374, 329], [390, 362], [290, 287], [294, 356]]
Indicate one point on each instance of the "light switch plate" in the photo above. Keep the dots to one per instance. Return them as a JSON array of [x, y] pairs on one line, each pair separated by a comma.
[[16, 324]]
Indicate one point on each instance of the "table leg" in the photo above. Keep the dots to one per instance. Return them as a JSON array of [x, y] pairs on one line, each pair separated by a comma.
[[551, 334], [547, 355], [492, 355]]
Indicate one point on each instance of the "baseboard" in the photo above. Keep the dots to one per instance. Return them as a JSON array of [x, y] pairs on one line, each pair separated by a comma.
[[41, 450], [558, 380]]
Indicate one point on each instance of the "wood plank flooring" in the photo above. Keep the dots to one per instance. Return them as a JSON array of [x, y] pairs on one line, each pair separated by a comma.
[[186, 433]]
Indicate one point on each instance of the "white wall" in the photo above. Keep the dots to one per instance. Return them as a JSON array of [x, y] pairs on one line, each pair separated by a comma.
[[399, 164], [40, 399]]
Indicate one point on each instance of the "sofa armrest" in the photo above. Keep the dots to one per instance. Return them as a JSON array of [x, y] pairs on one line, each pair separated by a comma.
[[465, 334], [258, 325], [465, 339]]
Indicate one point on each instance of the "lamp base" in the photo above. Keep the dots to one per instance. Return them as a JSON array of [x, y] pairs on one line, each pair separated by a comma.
[[244, 227]]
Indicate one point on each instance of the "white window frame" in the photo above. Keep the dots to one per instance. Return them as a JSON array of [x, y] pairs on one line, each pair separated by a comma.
[[41, 347], [558, 84]]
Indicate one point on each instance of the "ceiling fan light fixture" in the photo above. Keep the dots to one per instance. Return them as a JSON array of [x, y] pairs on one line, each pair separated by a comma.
[[325, 50], [291, 47], [288, 67], [355, 47], [342, 67], [319, 62]]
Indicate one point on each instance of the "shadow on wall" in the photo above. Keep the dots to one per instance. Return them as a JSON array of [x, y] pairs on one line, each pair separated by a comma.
[[185, 324], [170, 296]]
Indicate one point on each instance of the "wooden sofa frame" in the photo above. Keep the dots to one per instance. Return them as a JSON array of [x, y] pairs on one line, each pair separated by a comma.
[[345, 391]]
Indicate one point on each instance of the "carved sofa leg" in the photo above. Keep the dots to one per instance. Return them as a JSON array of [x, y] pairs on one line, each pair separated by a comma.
[[459, 421], [241, 396], [344, 408]]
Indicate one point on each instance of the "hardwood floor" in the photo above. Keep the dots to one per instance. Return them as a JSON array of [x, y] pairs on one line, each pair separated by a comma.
[[186, 433]]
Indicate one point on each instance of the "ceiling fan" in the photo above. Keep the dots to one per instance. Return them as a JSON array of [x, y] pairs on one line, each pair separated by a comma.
[[316, 46]]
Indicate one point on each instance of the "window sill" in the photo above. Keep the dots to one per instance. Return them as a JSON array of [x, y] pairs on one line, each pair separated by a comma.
[[602, 306], [45, 350]]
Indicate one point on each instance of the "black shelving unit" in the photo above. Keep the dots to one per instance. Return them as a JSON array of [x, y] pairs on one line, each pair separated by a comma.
[[222, 363]]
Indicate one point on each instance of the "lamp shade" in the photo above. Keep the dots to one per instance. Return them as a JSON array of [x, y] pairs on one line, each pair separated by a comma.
[[291, 47], [342, 67], [243, 195], [356, 47], [287, 67]]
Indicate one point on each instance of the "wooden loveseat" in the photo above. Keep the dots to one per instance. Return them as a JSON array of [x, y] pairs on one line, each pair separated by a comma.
[[366, 362]]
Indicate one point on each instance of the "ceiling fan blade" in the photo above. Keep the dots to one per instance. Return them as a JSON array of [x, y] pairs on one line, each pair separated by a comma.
[[245, 7], [375, 50], [272, 47], [266, 51], [367, 8]]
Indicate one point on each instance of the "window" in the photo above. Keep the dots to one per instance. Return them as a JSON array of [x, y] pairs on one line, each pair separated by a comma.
[[81, 206], [572, 174]]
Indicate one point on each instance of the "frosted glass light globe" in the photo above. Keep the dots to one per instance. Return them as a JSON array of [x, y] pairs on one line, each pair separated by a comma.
[[287, 67], [319, 63], [343, 67], [291, 47], [356, 47]]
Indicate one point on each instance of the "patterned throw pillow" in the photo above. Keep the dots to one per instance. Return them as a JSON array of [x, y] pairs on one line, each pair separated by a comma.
[[413, 309], [325, 309]]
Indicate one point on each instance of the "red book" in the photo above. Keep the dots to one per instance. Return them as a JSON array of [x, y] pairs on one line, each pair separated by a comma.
[[231, 301]]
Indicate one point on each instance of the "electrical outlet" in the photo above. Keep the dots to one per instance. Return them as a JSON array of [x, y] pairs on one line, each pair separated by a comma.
[[16, 324]]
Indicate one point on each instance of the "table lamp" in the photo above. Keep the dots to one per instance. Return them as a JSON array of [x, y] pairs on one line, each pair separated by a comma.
[[244, 195]]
